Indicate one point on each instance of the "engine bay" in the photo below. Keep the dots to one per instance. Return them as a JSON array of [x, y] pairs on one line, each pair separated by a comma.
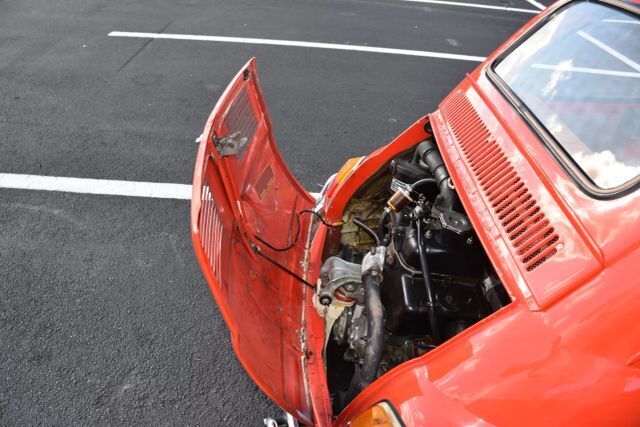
[[402, 274]]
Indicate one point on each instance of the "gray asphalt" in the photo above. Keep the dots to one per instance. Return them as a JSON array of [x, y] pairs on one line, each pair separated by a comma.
[[105, 317]]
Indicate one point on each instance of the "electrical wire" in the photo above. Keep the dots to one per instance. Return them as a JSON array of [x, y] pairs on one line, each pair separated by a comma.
[[317, 215], [258, 251], [297, 234], [282, 267]]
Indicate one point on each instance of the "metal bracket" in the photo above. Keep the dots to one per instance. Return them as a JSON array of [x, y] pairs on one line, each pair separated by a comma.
[[373, 261], [229, 145], [285, 421], [335, 273]]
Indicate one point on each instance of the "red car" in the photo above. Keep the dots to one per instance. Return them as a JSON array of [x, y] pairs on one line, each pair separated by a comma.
[[481, 269]]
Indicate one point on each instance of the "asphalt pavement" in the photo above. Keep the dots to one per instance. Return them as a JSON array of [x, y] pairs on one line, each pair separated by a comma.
[[105, 317]]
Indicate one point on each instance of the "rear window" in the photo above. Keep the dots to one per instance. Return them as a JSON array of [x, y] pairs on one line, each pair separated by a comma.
[[579, 74]]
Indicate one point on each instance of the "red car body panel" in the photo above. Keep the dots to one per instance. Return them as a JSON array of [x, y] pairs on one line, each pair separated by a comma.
[[565, 351], [498, 177]]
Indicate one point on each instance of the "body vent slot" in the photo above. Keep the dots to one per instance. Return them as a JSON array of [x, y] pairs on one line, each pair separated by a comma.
[[532, 237], [241, 118], [211, 231]]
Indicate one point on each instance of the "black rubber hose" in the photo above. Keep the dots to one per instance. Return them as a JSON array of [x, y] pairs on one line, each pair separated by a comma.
[[381, 224], [495, 299], [367, 372], [422, 181], [430, 156], [367, 230], [433, 321]]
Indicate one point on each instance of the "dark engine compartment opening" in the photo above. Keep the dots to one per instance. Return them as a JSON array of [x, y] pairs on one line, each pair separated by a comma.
[[404, 273]]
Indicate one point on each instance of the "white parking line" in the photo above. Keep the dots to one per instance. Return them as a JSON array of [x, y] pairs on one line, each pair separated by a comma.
[[96, 186], [537, 4], [476, 5], [106, 187], [273, 42]]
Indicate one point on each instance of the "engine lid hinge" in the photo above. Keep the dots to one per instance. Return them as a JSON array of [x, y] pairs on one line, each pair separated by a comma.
[[229, 145]]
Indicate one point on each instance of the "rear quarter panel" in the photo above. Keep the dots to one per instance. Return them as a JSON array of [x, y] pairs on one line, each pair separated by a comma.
[[574, 364]]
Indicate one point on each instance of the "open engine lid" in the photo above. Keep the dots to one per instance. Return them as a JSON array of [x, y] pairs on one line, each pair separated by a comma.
[[244, 208]]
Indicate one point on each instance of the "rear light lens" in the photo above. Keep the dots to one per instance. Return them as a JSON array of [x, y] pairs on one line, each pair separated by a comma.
[[380, 415]]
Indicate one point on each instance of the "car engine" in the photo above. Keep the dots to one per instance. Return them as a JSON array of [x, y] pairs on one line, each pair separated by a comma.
[[404, 273]]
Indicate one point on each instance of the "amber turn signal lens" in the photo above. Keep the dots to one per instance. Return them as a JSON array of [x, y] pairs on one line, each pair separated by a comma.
[[347, 168], [380, 415]]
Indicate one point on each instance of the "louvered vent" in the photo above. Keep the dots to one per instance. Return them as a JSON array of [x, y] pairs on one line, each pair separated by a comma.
[[532, 236], [241, 117], [211, 231]]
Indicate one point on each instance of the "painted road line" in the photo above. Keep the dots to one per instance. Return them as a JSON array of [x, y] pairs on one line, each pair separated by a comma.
[[106, 187], [537, 4], [293, 43], [475, 5], [96, 186]]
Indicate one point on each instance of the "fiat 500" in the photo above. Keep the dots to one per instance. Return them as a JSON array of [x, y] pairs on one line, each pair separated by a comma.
[[480, 269]]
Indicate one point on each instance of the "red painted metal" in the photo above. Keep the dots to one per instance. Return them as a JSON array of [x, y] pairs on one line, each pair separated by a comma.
[[566, 351]]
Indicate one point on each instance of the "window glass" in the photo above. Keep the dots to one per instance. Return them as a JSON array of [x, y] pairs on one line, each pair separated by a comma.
[[579, 75]]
